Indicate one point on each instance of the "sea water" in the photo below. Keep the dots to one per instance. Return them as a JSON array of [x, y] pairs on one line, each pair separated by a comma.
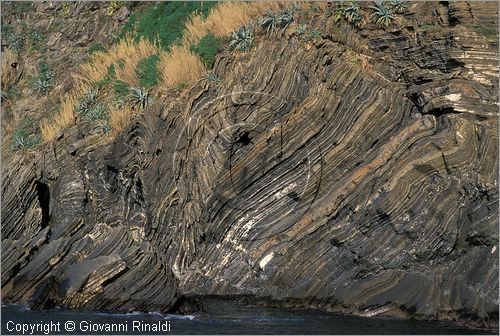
[[221, 317]]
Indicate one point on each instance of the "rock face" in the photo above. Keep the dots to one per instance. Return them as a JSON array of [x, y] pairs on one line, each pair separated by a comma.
[[364, 184]]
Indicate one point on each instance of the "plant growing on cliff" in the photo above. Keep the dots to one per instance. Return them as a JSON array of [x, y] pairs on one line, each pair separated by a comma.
[[384, 15], [22, 139], [90, 108], [147, 71], [45, 80], [349, 12], [269, 22], [399, 6], [139, 96], [211, 77], [207, 49], [242, 39]]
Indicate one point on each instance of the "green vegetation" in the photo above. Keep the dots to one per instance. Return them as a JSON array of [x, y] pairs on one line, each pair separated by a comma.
[[121, 88], [242, 39], [207, 49], [147, 71], [15, 41], [429, 27], [399, 6], [22, 138], [384, 15], [19, 8], [349, 12], [165, 21], [95, 47], [271, 21], [90, 108], [45, 80], [37, 41], [139, 97], [489, 32], [211, 77]]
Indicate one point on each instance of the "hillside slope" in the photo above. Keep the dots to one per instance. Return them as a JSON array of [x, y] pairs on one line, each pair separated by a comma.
[[350, 174]]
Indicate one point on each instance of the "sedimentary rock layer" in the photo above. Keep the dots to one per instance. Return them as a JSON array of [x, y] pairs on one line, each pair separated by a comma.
[[303, 177]]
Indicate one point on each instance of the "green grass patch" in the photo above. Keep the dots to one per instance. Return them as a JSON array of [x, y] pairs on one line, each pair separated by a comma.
[[207, 49], [164, 22], [95, 47], [147, 71], [121, 88], [489, 32]]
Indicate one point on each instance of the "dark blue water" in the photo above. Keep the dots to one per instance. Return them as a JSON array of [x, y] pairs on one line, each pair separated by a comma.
[[222, 317]]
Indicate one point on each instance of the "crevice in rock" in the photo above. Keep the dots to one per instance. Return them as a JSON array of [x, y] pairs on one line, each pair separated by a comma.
[[43, 194]]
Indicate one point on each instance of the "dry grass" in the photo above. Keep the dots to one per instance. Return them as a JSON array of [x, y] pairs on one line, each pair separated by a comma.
[[119, 118], [180, 65], [225, 18], [127, 50], [50, 128]]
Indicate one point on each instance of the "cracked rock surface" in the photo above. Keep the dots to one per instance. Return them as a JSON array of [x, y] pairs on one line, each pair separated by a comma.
[[302, 179]]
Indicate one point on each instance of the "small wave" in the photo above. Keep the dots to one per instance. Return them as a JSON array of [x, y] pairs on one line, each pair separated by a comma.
[[155, 314]]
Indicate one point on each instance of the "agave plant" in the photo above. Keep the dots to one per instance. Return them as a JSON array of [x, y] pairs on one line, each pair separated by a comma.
[[242, 39], [42, 85], [139, 96], [399, 6], [384, 15], [90, 108], [104, 127], [211, 77], [269, 22], [285, 18], [301, 29], [351, 12], [22, 140]]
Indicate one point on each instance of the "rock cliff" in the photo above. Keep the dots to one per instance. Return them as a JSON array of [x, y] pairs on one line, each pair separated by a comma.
[[355, 172]]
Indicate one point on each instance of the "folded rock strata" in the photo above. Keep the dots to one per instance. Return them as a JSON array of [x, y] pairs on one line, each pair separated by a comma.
[[302, 178]]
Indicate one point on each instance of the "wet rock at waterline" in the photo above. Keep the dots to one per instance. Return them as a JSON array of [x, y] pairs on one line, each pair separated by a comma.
[[302, 179]]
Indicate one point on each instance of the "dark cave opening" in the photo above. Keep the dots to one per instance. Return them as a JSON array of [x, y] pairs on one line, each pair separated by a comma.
[[244, 139], [43, 194]]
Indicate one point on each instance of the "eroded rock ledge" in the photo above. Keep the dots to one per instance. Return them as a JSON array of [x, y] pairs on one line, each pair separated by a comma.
[[302, 177]]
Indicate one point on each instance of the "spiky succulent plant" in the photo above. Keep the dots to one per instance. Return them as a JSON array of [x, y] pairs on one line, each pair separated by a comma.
[[242, 39], [383, 14], [139, 96], [399, 6], [90, 108]]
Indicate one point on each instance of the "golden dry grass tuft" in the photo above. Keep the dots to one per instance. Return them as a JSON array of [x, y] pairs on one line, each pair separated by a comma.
[[180, 65], [50, 128], [226, 18], [119, 118]]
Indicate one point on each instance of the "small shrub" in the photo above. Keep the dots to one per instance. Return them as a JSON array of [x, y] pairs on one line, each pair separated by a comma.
[[139, 97], [113, 6], [15, 41], [207, 49], [242, 39], [147, 71], [285, 18]]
